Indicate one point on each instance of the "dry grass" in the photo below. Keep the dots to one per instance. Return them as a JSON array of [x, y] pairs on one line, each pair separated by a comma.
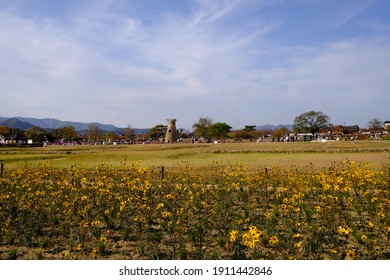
[[319, 154]]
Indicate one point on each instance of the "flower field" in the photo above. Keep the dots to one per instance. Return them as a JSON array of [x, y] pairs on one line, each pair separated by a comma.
[[222, 212]]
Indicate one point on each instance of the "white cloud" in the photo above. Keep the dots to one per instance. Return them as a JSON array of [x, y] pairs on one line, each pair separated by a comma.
[[218, 61]]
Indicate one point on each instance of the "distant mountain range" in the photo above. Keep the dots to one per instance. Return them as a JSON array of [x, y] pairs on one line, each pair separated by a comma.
[[49, 123], [274, 127]]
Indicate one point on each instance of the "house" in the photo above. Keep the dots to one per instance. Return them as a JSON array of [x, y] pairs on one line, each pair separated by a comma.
[[351, 129], [386, 126], [15, 138]]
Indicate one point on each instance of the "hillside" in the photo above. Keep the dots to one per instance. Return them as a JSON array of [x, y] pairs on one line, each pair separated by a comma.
[[274, 127], [50, 124], [16, 123]]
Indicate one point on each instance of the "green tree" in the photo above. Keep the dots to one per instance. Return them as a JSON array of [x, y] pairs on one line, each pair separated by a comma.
[[248, 132], [5, 129], [66, 133], [157, 131], [36, 133], [202, 127], [250, 128], [220, 130], [241, 134], [311, 122]]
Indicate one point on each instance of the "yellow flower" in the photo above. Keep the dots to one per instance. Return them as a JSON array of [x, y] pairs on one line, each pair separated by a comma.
[[363, 237], [166, 214], [95, 254], [297, 244], [344, 231], [95, 223], [273, 240], [297, 235], [249, 238], [370, 225], [233, 235], [103, 239], [63, 254], [79, 247], [381, 214], [180, 211], [160, 205], [350, 255]]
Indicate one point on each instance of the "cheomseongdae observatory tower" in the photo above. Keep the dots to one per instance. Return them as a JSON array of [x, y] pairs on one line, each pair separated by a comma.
[[171, 135]]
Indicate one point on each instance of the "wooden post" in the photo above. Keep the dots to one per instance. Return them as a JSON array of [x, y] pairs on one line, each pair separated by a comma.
[[162, 175], [1, 169]]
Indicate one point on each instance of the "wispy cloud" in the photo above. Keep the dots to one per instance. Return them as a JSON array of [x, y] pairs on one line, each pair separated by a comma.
[[351, 11], [110, 62]]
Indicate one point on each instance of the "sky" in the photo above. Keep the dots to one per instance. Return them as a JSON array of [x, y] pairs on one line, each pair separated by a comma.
[[242, 62]]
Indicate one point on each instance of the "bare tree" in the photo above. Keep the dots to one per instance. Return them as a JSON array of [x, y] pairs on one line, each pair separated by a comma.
[[93, 132], [375, 125], [129, 133]]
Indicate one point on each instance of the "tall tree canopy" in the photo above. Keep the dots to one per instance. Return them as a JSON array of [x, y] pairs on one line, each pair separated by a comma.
[[36, 133], [202, 127], [157, 131], [67, 133], [311, 122], [220, 130]]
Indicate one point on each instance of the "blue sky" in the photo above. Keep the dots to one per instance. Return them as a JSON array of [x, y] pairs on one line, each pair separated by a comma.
[[242, 62]]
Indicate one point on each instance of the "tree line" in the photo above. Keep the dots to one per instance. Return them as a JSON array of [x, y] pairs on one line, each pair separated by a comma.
[[205, 129]]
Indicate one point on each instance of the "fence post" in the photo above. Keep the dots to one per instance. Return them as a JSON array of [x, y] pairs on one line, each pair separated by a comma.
[[162, 176]]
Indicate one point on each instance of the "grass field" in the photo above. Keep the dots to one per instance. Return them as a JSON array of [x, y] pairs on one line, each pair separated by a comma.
[[318, 154], [317, 200]]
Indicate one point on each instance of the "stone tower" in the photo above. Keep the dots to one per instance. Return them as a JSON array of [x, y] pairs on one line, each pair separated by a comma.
[[171, 135]]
